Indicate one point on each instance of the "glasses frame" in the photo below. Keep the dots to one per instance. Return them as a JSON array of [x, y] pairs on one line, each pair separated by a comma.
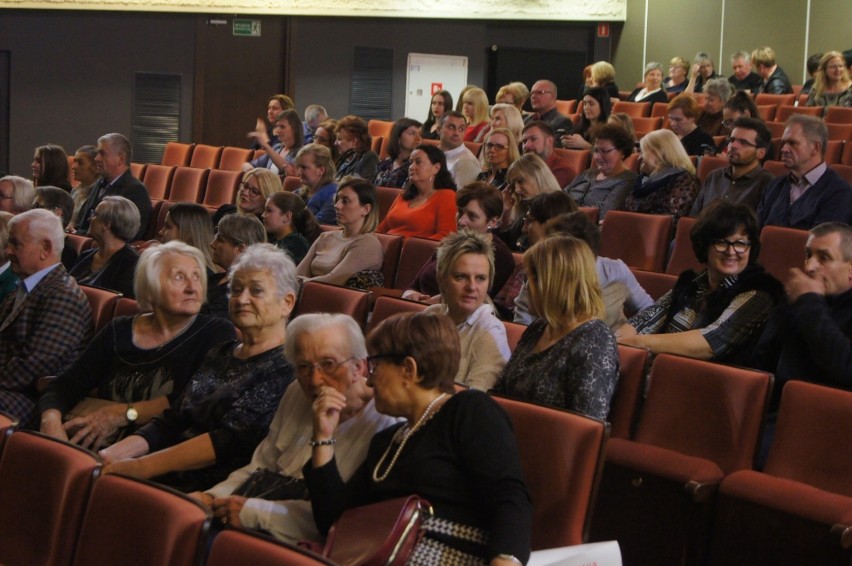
[[305, 369], [721, 245]]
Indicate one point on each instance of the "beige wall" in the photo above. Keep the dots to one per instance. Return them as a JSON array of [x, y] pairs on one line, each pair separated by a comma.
[[683, 28]]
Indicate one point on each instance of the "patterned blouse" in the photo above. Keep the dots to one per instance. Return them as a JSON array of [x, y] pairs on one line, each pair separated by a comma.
[[387, 176], [607, 194], [579, 372]]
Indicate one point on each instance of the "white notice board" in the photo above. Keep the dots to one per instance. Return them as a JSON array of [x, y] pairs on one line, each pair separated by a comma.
[[429, 73]]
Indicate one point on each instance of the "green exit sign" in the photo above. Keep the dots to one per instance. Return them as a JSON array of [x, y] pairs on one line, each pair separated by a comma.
[[246, 28]]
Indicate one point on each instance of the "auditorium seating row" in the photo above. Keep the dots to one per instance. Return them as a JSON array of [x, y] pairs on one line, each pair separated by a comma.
[[678, 489]]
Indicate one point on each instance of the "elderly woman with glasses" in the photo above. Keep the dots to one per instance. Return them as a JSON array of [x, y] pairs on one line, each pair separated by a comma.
[[716, 314], [226, 408]]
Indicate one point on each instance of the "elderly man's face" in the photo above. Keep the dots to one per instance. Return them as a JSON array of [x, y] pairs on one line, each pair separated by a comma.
[[741, 68], [324, 359], [824, 261], [26, 252], [7, 197], [110, 163]]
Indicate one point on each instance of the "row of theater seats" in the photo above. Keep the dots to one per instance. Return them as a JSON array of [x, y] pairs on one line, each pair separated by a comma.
[[677, 489]]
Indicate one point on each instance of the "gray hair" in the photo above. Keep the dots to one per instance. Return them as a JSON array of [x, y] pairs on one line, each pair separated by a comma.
[[652, 65], [149, 268], [54, 197], [314, 111], [122, 216], [841, 228], [741, 55], [5, 217], [266, 257], [43, 225], [23, 192], [314, 322], [813, 128], [703, 57], [720, 87], [118, 144]]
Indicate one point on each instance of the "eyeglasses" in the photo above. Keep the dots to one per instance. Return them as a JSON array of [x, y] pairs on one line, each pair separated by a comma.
[[739, 246], [601, 151], [498, 146], [372, 361], [740, 141], [327, 366], [528, 219], [541, 92], [249, 189]]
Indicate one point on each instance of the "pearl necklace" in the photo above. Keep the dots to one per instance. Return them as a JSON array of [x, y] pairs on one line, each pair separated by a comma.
[[405, 432]]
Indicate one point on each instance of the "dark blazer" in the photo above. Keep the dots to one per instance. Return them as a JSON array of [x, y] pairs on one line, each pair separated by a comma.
[[829, 199], [8, 283], [117, 274], [777, 83], [659, 96], [41, 336], [126, 186]]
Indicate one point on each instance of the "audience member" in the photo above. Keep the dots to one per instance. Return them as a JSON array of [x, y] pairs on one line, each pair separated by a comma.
[[543, 102], [225, 410], [290, 225], [47, 322], [568, 358], [667, 183], [354, 144], [16, 194], [280, 158], [276, 104], [505, 115], [703, 70], [314, 116], [255, 188], [113, 163], [137, 365], [810, 337], [538, 139], [515, 93], [269, 493], [717, 92], [678, 77], [404, 137], [441, 103], [8, 278], [718, 313], [596, 110], [480, 206], [831, 82], [744, 78], [59, 202], [234, 234], [190, 223], [318, 173], [460, 101], [652, 91], [86, 174], [111, 265], [475, 110], [812, 193], [528, 177], [603, 75], [498, 152], [50, 167], [743, 180], [740, 105], [774, 79], [465, 271], [464, 452], [623, 120], [324, 135], [683, 112], [427, 206], [608, 181], [352, 256], [461, 162], [811, 65]]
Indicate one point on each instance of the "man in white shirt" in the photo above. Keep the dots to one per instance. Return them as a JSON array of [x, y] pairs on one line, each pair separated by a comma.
[[461, 162]]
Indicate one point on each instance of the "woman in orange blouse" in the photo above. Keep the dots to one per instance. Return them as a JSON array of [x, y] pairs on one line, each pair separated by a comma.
[[427, 206]]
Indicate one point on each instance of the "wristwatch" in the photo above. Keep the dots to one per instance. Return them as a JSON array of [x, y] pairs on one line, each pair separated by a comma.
[[132, 414]]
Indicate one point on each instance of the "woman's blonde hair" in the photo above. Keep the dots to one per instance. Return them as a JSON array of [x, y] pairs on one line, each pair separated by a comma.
[[514, 120], [456, 244], [479, 99], [511, 139], [536, 170], [267, 181], [563, 281], [668, 150], [195, 228], [321, 156], [602, 73], [819, 77], [517, 90]]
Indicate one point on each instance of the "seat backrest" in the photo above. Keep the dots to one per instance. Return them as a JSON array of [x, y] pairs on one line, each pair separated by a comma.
[[844, 171], [640, 240], [136, 522], [138, 170], [291, 183], [776, 129], [391, 248], [158, 179], [645, 125], [103, 304], [785, 111], [188, 184], [633, 109], [592, 212], [577, 160], [474, 147], [710, 163], [766, 111], [839, 132], [233, 158], [562, 457], [376, 145], [177, 154], [79, 243], [683, 256], [206, 156], [415, 252], [838, 115], [704, 409], [232, 547], [834, 151], [775, 99], [388, 306], [324, 297], [655, 284], [126, 306], [782, 248], [222, 187], [385, 197], [775, 168], [624, 409], [846, 158], [44, 487], [379, 128], [566, 107], [813, 428]]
